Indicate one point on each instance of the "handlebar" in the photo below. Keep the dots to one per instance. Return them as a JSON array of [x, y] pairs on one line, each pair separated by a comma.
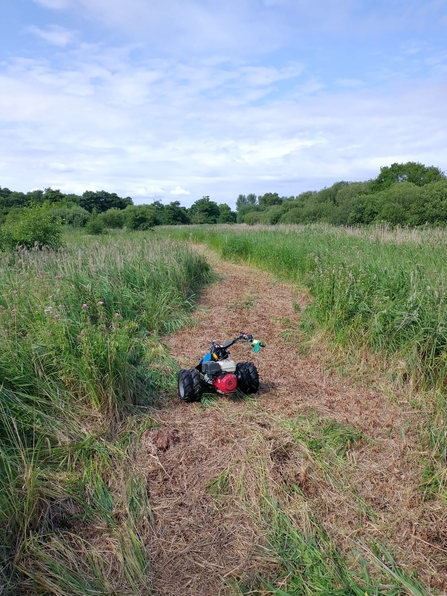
[[255, 343]]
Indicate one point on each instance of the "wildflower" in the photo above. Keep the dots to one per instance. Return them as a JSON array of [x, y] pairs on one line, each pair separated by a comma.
[[84, 306], [48, 310], [80, 336], [57, 316], [100, 303], [6, 332], [57, 276], [117, 314], [2, 307], [15, 292], [13, 312]]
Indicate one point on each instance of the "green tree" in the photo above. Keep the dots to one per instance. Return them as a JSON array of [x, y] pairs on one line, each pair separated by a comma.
[[242, 200], [226, 215], [268, 199], [204, 211], [102, 201], [411, 171], [174, 214], [272, 215], [244, 210]]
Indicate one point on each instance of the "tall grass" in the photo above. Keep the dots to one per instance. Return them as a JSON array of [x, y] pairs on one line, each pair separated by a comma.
[[381, 288], [79, 348]]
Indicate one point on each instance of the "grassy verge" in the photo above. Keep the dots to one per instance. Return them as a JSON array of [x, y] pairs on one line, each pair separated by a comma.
[[79, 352]]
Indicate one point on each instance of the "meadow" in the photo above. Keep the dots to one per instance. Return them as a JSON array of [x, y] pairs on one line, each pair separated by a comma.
[[82, 360]]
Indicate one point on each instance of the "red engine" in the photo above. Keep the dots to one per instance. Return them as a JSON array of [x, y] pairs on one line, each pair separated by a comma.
[[225, 384]]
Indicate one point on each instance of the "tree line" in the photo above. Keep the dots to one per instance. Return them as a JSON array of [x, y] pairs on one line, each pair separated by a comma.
[[407, 194], [76, 210]]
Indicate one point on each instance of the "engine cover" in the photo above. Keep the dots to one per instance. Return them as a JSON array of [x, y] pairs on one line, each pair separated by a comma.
[[226, 384]]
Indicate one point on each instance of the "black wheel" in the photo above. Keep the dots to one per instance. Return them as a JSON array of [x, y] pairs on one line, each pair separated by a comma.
[[189, 385], [247, 377]]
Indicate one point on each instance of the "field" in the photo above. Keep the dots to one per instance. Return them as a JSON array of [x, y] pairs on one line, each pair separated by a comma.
[[331, 480]]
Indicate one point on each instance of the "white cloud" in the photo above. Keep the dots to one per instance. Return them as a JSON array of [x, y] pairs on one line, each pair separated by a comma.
[[54, 34], [178, 190], [192, 98], [104, 122]]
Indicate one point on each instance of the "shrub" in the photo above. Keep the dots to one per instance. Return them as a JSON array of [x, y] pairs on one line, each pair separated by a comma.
[[141, 217], [95, 226], [31, 227], [252, 217], [74, 216], [272, 216], [113, 218]]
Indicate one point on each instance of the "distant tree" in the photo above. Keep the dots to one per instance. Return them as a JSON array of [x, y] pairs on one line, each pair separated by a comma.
[[292, 216], [272, 215], [411, 171], [35, 196], [242, 200], [226, 215], [269, 199], [52, 195], [10, 199], [102, 201], [432, 207], [174, 214], [394, 205], [306, 195], [329, 195], [244, 210], [204, 211]]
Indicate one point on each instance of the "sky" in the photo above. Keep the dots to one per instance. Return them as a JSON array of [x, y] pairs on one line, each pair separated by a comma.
[[179, 99]]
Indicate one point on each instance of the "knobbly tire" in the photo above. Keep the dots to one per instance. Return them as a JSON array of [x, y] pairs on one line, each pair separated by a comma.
[[189, 385], [247, 377]]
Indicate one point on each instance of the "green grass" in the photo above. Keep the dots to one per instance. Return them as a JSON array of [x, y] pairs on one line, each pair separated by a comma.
[[80, 355], [310, 564], [383, 290]]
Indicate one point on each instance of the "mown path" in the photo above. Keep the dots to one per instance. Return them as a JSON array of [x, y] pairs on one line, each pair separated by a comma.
[[207, 464]]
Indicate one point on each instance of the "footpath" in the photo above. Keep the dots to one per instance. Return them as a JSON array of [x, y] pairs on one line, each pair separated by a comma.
[[210, 465]]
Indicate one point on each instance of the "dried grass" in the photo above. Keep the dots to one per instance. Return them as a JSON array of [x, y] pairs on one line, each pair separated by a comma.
[[208, 468]]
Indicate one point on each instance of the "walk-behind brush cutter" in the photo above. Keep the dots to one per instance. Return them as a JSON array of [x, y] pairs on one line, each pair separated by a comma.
[[217, 371]]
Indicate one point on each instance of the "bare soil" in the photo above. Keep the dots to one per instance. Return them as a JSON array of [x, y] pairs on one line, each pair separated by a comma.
[[209, 464]]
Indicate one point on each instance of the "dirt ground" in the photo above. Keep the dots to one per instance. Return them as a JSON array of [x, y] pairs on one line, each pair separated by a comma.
[[207, 463]]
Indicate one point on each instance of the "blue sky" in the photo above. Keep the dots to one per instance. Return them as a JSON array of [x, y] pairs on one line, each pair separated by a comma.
[[177, 99]]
